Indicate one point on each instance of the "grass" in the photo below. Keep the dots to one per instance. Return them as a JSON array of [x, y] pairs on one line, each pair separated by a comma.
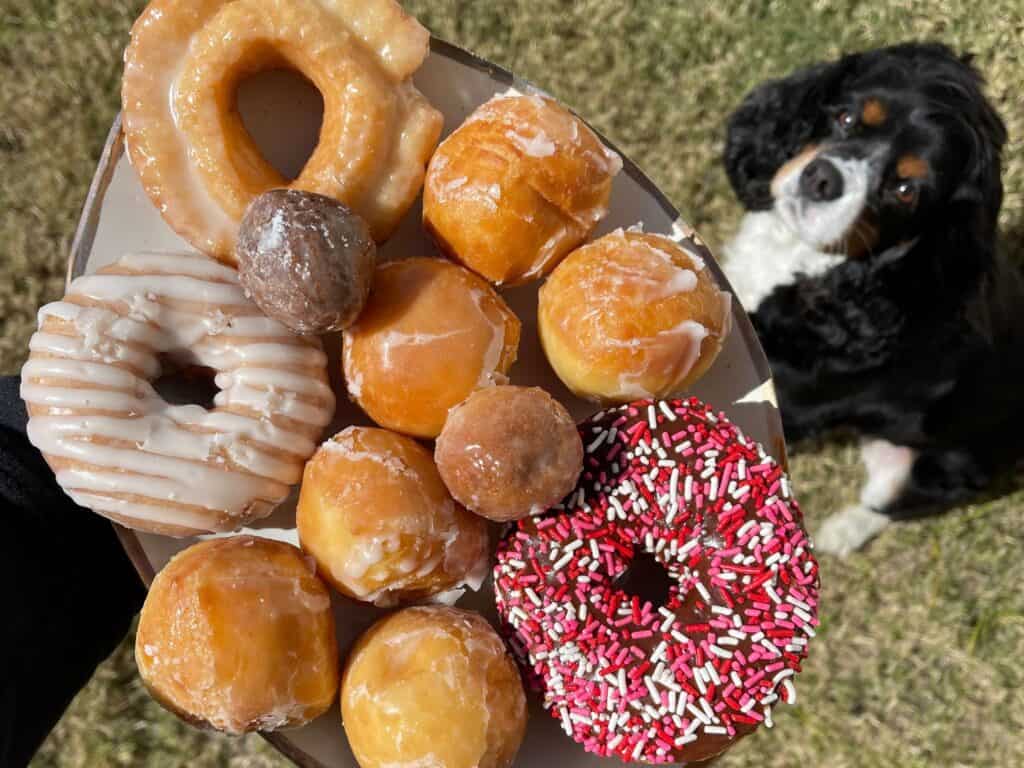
[[917, 660]]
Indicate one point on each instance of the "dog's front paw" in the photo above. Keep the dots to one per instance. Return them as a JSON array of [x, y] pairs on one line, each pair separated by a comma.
[[849, 530]]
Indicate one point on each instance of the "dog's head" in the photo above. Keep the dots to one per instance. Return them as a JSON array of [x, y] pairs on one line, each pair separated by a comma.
[[868, 152]]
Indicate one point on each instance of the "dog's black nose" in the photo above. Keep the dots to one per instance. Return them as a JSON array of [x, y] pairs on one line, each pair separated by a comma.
[[820, 181]]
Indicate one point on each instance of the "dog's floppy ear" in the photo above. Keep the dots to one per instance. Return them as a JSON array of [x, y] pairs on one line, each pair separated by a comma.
[[967, 231], [961, 246], [981, 184], [775, 121]]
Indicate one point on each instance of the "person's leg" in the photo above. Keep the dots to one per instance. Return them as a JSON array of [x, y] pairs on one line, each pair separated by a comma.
[[71, 591]]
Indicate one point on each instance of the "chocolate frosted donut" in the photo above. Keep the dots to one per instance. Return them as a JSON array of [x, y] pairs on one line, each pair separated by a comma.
[[665, 607], [305, 259]]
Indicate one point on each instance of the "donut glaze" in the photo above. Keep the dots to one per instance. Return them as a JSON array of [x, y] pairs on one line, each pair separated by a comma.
[[680, 679]]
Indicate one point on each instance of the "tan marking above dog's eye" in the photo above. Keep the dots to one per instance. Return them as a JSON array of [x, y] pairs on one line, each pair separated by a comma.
[[873, 112], [911, 167]]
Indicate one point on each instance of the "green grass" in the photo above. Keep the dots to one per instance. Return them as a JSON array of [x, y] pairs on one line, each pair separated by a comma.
[[917, 663]]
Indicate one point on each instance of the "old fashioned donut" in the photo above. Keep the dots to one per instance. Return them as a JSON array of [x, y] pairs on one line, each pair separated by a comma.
[[678, 665], [632, 315], [118, 448], [516, 187], [186, 139]]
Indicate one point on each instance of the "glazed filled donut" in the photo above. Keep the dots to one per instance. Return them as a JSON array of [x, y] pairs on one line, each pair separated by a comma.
[[431, 333], [516, 187], [380, 524], [665, 608], [632, 315], [237, 635], [186, 139], [118, 448], [432, 687]]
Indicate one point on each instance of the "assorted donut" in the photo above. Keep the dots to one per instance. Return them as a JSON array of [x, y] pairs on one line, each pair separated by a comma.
[[194, 156], [380, 524], [418, 673], [119, 448], [306, 260], [670, 669], [431, 333], [516, 187], [632, 315], [653, 579], [507, 452], [190, 650]]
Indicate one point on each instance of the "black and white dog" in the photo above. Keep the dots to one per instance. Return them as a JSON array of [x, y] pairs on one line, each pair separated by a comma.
[[868, 261]]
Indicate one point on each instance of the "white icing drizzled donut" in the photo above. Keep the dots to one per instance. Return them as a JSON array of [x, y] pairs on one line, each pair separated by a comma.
[[120, 449]]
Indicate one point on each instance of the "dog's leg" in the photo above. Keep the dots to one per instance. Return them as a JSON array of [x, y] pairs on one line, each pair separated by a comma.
[[889, 468], [902, 484]]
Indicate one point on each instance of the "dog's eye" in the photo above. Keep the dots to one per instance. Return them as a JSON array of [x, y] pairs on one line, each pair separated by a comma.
[[845, 119], [906, 192]]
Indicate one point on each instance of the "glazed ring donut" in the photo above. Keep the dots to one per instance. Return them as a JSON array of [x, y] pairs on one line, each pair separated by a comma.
[[674, 666], [194, 156], [118, 448]]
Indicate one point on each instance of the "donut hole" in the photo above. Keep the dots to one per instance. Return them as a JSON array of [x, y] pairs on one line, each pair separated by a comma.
[[646, 578], [282, 111], [182, 383]]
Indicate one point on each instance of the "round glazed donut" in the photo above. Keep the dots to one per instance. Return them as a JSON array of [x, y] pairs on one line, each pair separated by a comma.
[[516, 187], [187, 141], [416, 543], [432, 687], [431, 333], [507, 452], [118, 448], [633, 315], [673, 488], [237, 635]]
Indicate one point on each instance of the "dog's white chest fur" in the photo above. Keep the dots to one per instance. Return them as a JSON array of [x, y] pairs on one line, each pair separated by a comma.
[[766, 253]]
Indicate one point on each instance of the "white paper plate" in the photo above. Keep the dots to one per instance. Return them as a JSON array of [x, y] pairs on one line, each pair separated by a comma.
[[118, 218]]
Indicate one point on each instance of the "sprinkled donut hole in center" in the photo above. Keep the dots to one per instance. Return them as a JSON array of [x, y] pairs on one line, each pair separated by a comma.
[[681, 681]]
